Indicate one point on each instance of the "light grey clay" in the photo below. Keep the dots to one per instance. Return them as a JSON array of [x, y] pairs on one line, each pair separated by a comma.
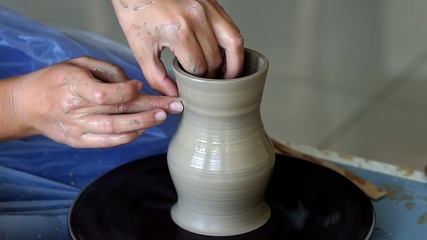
[[220, 158]]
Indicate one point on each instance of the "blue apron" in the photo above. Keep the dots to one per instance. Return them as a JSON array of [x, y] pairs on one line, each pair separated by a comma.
[[40, 178]]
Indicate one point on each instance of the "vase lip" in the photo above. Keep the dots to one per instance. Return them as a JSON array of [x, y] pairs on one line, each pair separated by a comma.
[[262, 68]]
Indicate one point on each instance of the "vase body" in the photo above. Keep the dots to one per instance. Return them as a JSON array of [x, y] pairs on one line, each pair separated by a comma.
[[220, 158]]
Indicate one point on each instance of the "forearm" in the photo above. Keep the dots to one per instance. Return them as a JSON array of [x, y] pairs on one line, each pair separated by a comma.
[[12, 125]]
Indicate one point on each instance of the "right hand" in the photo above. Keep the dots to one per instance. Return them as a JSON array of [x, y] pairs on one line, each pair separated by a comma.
[[196, 31]]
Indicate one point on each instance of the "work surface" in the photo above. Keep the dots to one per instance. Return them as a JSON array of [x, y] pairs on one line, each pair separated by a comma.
[[402, 213], [41, 206]]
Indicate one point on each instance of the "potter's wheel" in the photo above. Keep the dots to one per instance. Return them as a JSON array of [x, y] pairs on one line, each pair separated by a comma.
[[307, 202]]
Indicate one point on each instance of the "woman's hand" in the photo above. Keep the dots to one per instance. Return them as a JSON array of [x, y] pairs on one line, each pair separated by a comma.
[[83, 102], [199, 32]]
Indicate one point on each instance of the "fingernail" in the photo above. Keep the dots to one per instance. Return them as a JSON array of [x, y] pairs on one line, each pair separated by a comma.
[[160, 116], [176, 106]]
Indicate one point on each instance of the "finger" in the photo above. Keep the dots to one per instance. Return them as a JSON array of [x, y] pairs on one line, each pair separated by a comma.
[[149, 102], [234, 60], [213, 59], [142, 103], [102, 70], [206, 38], [93, 140], [84, 85], [182, 40], [121, 123], [229, 38], [156, 75]]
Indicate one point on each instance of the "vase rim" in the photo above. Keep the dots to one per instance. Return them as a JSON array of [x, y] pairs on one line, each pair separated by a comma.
[[262, 68]]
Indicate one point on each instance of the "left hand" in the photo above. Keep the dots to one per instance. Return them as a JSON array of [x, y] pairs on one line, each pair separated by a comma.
[[83, 102]]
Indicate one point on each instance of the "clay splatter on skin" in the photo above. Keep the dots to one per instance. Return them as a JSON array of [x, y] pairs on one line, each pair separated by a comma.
[[111, 74], [210, 47], [197, 11], [168, 32], [134, 122], [60, 125], [138, 29], [166, 35], [143, 5], [193, 7], [169, 37], [72, 104], [124, 4], [121, 107]]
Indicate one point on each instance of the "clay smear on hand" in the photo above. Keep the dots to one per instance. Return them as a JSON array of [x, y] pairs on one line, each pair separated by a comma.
[[124, 3], [141, 5], [111, 74]]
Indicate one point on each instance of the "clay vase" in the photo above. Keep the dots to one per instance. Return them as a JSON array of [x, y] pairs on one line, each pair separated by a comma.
[[220, 158]]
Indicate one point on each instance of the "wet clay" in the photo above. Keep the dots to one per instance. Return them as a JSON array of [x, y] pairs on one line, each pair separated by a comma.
[[221, 158]]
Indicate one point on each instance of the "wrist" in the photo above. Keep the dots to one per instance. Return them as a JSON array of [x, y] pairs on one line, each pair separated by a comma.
[[13, 123]]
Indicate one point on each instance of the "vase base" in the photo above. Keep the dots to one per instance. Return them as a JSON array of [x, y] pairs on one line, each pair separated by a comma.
[[219, 225]]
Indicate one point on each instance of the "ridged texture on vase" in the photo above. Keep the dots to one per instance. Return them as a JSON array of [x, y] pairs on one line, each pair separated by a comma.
[[220, 158]]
